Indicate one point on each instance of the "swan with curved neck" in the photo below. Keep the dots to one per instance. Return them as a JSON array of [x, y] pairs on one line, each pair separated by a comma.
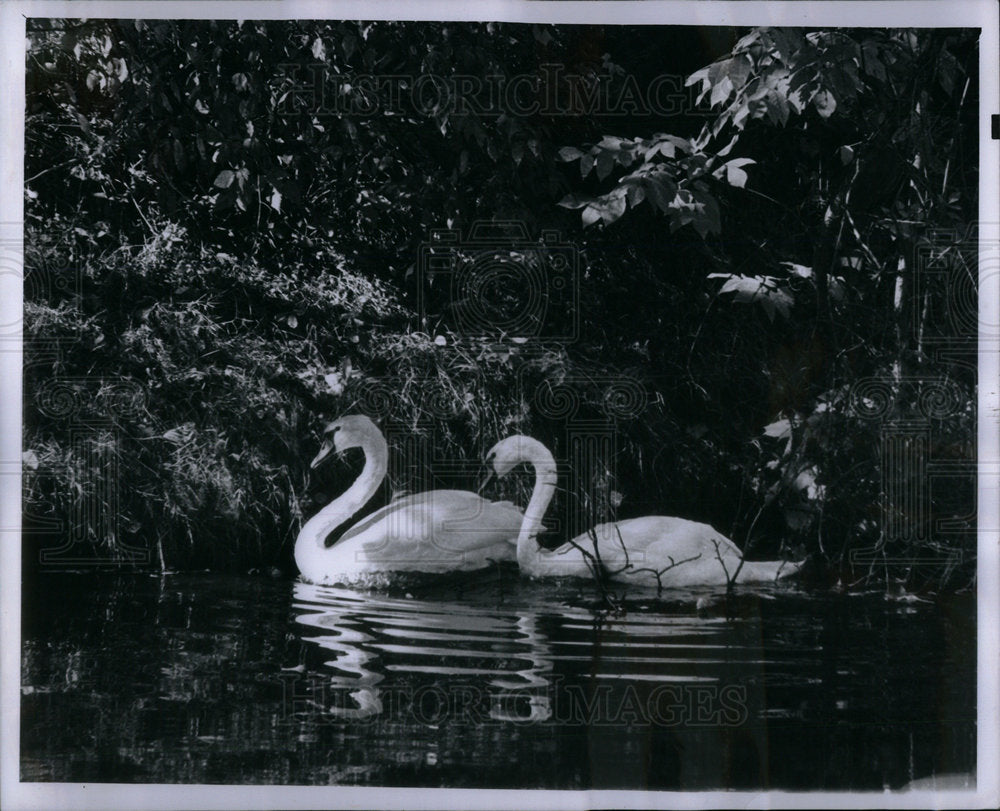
[[435, 531], [655, 550]]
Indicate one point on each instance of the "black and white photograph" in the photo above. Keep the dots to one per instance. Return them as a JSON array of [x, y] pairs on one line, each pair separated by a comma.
[[516, 405]]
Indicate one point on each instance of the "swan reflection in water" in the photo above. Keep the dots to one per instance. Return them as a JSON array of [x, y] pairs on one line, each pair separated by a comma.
[[507, 663], [677, 687], [501, 654], [345, 638]]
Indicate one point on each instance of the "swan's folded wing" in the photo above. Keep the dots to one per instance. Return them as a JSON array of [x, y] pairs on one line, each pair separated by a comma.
[[453, 520], [471, 522]]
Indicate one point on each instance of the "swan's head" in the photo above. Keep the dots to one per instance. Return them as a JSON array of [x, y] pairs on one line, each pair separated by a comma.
[[352, 431], [510, 452], [503, 457]]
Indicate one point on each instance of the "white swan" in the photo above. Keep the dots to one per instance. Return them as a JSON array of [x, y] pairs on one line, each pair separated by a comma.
[[660, 551], [436, 531]]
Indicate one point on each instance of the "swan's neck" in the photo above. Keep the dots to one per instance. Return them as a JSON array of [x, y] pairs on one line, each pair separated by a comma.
[[317, 528], [538, 456]]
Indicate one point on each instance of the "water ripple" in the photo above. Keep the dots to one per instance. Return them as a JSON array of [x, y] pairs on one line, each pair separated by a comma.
[[522, 649]]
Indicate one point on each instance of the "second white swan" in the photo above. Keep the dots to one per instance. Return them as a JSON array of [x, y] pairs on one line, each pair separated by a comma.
[[655, 550]]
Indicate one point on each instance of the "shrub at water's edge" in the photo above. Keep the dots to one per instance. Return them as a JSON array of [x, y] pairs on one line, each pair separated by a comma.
[[188, 393]]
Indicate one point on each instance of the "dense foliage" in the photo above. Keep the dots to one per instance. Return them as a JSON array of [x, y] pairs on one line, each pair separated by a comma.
[[765, 319]]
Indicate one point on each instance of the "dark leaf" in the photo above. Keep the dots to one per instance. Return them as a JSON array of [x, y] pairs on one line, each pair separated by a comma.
[[825, 103], [574, 201], [735, 175], [721, 91], [590, 215], [738, 69], [224, 179], [635, 194], [605, 163], [569, 153]]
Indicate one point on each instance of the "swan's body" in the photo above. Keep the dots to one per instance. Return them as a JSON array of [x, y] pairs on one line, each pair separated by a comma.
[[662, 550], [659, 551], [437, 531]]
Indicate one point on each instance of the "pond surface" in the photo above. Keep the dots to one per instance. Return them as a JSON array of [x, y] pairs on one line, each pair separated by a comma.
[[497, 682]]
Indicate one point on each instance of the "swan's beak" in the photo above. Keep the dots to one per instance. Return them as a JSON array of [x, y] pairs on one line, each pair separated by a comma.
[[324, 452]]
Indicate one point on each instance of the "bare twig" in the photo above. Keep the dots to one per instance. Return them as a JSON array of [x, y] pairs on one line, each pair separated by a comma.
[[598, 570], [658, 573], [730, 581], [602, 574]]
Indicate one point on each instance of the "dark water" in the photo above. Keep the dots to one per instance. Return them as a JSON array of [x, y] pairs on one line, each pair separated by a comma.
[[496, 683]]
